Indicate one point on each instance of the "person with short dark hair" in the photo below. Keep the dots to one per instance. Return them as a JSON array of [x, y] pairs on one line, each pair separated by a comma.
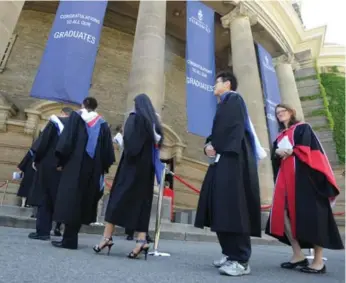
[[305, 190], [229, 201], [43, 192], [85, 153]]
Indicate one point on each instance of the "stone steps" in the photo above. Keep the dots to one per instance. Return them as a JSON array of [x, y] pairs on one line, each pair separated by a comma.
[[318, 121]]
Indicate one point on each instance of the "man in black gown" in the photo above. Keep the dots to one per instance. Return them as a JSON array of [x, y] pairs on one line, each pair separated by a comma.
[[85, 153], [47, 177], [230, 198]]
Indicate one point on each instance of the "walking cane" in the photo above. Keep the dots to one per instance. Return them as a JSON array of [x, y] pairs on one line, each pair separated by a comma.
[[158, 217]]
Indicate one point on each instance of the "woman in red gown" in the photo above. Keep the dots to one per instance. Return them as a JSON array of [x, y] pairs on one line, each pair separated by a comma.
[[305, 190]]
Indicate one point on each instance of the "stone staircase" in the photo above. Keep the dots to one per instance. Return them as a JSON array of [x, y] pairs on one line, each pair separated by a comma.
[[313, 109]]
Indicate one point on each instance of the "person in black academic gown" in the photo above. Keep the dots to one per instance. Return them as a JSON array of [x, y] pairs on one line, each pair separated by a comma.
[[85, 153], [131, 195], [25, 166], [43, 192], [229, 200], [305, 188]]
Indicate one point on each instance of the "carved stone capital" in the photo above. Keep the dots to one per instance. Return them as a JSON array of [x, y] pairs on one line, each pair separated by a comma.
[[288, 58], [7, 110], [32, 121], [241, 10]]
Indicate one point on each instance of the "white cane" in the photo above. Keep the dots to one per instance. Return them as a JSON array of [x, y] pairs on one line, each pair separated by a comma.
[[158, 217]]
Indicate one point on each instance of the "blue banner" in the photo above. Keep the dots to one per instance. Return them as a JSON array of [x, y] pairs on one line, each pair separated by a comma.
[[67, 65], [200, 69], [270, 89]]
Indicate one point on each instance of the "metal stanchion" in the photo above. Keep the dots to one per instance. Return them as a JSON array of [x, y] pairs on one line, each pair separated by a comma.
[[4, 193], [312, 255], [158, 217]]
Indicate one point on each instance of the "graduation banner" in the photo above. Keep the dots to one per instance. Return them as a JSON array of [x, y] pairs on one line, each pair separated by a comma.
[[270, 89], [66, 68], [200, 68]]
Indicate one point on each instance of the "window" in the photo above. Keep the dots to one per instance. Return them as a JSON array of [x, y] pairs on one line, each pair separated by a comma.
[[7, 52]]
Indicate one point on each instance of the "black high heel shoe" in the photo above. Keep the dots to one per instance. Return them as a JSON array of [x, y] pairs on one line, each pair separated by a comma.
[[143, 249], [108, 242]]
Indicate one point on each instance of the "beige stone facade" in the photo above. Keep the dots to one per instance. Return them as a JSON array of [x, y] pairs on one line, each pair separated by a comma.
[[23, 35]]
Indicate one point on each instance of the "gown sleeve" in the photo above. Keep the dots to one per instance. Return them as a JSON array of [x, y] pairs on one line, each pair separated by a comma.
[[207, 142], [25, 162], [134, 136], [232, 128], [308, 149], [67, 139], [41, 145], [107, 151], [276, 160]]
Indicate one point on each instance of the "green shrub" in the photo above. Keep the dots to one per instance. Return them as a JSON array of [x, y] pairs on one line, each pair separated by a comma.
[[333, 94]]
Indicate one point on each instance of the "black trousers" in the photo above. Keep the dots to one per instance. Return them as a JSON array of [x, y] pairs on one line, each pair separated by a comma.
[[237, 247], [70, 236], [44, 218]]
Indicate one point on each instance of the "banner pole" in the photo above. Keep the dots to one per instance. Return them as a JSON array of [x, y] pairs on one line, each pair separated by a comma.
[[158, 216]]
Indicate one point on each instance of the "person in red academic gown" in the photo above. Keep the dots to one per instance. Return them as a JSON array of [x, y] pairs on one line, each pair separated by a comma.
[[85, 153], [305, 187], [47, 177]]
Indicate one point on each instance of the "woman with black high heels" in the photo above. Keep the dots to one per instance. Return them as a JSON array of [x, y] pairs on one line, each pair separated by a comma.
[[131, 195]]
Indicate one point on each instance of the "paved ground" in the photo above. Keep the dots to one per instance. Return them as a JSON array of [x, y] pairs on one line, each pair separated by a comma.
[[24, 260]]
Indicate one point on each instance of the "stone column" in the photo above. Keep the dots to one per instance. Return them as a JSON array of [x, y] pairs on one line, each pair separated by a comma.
[[9, 15], [287, 83], [148, 55], [245, 67]]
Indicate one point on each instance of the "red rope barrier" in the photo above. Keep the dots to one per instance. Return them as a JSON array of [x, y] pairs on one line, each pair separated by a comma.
[[263, 207], [3, 184]]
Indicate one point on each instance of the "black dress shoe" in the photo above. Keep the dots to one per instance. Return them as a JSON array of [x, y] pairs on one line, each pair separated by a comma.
[[129, 238], [290, 265], [60, 244], [149, 239], [57, 233], [35, 236], [314, 271]]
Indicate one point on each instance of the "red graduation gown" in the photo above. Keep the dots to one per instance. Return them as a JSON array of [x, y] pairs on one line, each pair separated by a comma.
[[304, 185]]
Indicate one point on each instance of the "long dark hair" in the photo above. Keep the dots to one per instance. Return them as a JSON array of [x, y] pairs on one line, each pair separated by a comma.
[[293, 120], [145, 108]]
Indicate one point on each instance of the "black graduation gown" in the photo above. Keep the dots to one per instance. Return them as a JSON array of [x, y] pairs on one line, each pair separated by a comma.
[[230, 197], [131, 195], [305, 184], [79, 189], [47, 176], [26, 167]]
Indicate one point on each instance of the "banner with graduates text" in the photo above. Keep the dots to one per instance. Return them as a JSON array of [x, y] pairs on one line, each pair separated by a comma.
[[66, 68], [200, 68], [270, 89]]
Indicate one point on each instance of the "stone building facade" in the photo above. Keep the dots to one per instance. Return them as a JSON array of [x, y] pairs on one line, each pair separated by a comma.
[[142, 50]]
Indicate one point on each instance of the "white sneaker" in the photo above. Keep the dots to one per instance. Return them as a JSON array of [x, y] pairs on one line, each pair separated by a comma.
[[234, 268], [220, 262]]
